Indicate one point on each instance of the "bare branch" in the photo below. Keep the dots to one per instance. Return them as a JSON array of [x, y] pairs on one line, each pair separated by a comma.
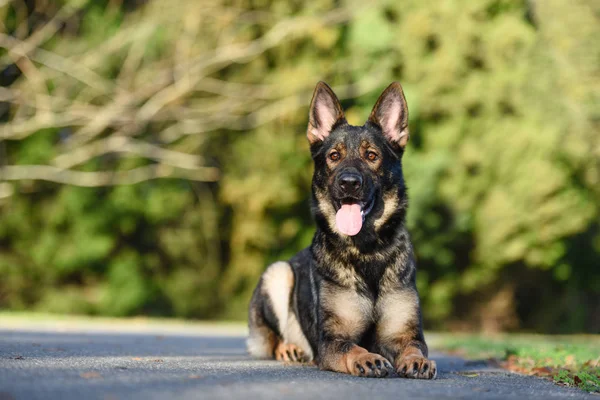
[[21, 129], [104, 178], [227, 55], [122, 144], [6, 190], [46, 32], [58, 63]]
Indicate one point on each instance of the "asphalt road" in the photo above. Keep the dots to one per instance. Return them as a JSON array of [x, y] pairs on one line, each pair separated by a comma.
[[113, 362]]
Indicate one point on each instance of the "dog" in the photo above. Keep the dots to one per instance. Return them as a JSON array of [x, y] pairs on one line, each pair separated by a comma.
[[349, 302]]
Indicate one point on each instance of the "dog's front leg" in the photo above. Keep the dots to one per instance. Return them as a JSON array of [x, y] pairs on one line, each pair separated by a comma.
[[400, 334]]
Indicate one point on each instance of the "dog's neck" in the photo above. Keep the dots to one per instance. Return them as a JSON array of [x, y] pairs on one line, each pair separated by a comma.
[[365, 265]]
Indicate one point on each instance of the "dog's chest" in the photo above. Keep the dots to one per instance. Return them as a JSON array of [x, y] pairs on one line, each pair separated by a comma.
[[353, 311]]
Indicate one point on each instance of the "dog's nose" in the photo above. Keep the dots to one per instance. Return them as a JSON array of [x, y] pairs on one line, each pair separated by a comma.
[[350, 182]]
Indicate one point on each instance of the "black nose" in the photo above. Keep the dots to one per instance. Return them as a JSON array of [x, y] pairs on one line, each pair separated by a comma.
[[350, 182]]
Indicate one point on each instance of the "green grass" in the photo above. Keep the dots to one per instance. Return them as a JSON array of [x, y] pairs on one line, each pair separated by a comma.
[[572, 360]]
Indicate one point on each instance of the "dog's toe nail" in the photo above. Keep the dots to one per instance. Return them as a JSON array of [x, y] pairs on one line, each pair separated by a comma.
[[360, 368]]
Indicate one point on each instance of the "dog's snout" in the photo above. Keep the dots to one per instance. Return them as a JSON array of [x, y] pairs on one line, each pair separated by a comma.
[[350, 182]]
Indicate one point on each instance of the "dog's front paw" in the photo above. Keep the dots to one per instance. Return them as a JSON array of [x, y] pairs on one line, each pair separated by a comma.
[[417, 367], [371, 365], [290, 352]]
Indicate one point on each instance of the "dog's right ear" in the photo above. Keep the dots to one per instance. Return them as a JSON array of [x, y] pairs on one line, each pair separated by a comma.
[[325, 113]]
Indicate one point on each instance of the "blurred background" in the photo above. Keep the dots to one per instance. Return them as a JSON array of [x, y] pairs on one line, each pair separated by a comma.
[[153, 157]]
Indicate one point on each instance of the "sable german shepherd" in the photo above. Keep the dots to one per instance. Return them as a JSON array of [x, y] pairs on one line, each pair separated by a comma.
[[349, 301]]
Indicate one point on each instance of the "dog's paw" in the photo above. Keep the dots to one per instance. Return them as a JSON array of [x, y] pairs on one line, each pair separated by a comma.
[[288, 352], [417, 367], [371, 365]]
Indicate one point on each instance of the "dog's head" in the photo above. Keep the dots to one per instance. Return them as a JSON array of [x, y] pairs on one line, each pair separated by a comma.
[[358, 185]]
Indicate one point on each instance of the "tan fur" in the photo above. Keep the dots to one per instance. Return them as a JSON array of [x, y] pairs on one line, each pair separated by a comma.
[[328, 211], [390, 205], [261, 342], [348, 360], [397, 313], [345, 276], [293, 334], [351, 311], [411, 352], [411, 357], [289, 352], [342, 362], [389, 280], [278, 281], [357, 358]]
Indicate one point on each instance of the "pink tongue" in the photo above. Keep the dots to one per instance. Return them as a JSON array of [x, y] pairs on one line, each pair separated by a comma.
[[348, 219]]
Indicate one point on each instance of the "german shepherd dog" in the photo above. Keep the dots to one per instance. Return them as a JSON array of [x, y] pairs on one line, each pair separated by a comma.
[[349, 301]]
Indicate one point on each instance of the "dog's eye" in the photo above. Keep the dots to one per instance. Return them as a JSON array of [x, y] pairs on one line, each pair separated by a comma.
[[334, 156], [372, 156]]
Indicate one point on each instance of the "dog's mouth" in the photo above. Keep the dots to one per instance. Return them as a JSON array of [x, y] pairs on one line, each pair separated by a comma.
[[351, 215]]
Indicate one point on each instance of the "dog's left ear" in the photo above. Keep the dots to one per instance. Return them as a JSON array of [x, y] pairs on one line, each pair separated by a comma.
[[390, 113]]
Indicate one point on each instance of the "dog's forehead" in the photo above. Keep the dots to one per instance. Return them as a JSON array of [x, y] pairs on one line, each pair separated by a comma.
[[355, 136]]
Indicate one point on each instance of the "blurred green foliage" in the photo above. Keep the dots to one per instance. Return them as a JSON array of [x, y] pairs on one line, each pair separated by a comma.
[[503, 166]]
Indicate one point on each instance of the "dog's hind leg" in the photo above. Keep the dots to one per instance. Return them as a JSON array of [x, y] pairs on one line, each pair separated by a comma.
[[274, 328]]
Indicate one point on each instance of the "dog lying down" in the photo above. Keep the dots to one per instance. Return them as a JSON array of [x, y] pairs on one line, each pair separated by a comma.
[[349, 301]]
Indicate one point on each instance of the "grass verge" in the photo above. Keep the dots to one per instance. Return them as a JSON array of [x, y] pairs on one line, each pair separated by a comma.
[[572, 360]]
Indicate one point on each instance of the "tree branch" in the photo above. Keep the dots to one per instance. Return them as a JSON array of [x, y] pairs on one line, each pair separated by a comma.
[[122, 144], [104, 178]]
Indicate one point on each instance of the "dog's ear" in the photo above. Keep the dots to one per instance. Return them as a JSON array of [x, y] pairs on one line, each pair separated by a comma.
[[325, 112], [390, 113]]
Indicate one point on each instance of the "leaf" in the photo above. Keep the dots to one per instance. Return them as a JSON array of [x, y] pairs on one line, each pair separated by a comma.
[[577, 380]]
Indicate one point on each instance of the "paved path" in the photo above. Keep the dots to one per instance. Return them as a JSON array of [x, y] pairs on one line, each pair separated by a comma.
[[117, 362]]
